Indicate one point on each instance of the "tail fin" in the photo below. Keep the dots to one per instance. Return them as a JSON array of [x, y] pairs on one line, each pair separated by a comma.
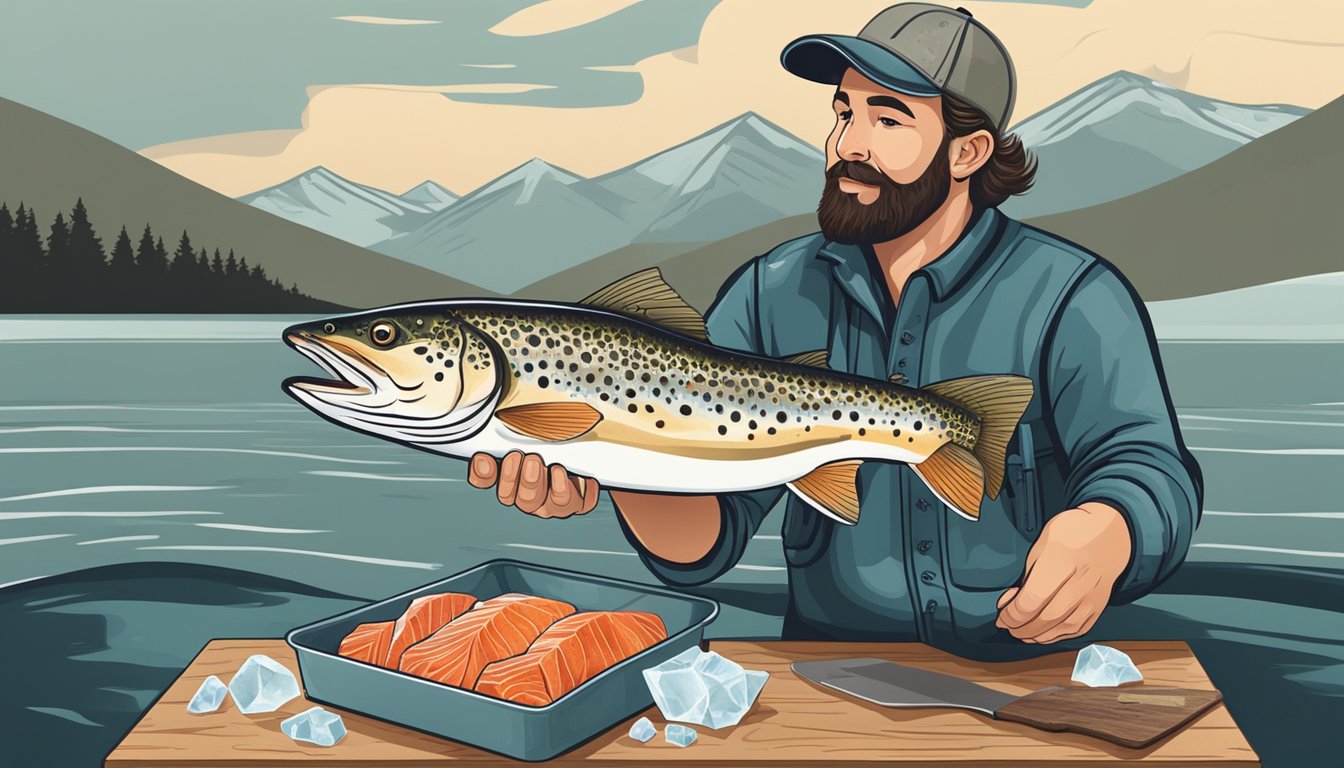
[[999, 402]]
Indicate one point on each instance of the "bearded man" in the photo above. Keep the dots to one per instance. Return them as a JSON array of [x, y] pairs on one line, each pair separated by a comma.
[[916, 275]]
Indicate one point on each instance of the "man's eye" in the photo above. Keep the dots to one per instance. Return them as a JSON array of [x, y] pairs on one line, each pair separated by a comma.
[[887, 121]]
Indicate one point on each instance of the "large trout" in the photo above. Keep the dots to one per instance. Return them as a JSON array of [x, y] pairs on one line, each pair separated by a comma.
[[623, 387]]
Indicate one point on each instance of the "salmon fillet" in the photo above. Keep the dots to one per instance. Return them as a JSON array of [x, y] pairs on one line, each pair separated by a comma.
[[424, 617], [574, 650], [496, 629], [368, 642]]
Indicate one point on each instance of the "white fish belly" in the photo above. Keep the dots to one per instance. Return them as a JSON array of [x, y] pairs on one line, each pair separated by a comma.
[[642, 469]]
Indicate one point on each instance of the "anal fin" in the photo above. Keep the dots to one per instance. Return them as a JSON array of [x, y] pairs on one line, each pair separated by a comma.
[[555, 422], [832, 489], [955, 476]]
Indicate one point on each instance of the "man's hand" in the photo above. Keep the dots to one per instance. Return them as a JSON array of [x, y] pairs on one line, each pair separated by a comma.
[[1070, 572], [524, 480]]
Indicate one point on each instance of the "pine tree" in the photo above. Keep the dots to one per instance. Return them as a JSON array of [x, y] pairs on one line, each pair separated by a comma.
[[86, 248], [184, 258], [217, 266], [58, 246], [231, 266], [146, 258], [123, 279], [6, 231], [123, 258]]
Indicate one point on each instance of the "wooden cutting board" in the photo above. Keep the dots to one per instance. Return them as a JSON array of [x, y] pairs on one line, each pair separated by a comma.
[[793, 723]]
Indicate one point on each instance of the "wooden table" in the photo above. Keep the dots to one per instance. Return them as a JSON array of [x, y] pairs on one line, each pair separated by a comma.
[[793, 722]]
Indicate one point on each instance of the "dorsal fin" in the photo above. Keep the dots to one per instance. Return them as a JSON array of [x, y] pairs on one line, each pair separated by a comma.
[[817, 358], [646, 295]]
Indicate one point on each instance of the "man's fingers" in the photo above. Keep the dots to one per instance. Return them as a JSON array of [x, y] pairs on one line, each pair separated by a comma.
[[507, 490], [590, 490], [562, 492], [483, 470], [1040, 587], [532, 484], [1077, 623], [1063, 605], [1006, 596]]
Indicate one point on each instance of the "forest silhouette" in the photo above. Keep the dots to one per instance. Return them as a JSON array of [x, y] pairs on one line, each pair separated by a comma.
[[68, 271]]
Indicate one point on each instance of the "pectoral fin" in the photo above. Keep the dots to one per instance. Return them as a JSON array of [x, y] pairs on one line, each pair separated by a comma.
[[955, 475], [832, 490], [555, 422]]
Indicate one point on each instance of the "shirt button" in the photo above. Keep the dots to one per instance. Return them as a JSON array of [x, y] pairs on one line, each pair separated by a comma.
[[901, 362], [928, 576], [922, 505], [907, 337], [930, 606], [925, 546]]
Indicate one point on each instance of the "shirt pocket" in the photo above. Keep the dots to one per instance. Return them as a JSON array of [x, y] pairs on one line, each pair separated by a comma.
[[991, 553], [806, 533]]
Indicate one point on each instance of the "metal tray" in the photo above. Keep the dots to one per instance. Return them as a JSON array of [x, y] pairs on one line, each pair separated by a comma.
[[515, 730]]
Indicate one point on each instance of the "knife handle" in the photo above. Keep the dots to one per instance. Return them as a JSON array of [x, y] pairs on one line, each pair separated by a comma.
[[1133, 716]]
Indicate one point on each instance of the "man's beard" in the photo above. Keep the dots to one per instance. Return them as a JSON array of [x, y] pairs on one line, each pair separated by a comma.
[[898, 208]]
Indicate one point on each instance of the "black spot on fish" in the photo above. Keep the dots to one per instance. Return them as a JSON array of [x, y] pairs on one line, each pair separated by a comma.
[[629, 393], [604, 396], [438, 376], [685, 410], [723, 430], [533, 339], [895, 433], [782, 417], [648, 408], [919, 425], [527, 367], [751, 424], [543, 382], [751, 437], [708, 397], [421, 350], [771, 430], [735, 416], [836, 415], [862, 431], [629, 375], [633, 408], [853, 415], [586, 357], [542, 364], [607, 380]]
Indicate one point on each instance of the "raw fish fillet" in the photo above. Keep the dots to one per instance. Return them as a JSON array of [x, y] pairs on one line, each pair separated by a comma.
[[424, 617], [574, 650], [368, 642], [496, 629]]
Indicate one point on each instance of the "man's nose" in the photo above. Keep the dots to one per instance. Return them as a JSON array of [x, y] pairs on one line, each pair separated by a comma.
[[852, 144]]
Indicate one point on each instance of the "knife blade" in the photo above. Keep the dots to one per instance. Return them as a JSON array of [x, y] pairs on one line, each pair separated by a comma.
[[896, 685]]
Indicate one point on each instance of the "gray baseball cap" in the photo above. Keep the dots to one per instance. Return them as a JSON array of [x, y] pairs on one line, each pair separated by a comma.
[[920, 49]]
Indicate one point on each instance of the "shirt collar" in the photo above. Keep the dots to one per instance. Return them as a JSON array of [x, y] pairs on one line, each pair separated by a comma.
[[853, 270]]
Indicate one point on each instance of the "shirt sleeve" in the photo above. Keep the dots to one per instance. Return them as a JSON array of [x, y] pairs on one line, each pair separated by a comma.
[[1116, 423], [733, 323]]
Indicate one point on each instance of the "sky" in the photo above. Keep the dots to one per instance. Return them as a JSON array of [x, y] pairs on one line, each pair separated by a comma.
[[243, 94]]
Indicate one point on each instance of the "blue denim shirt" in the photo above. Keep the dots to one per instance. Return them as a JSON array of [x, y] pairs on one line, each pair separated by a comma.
[[1005, 298]]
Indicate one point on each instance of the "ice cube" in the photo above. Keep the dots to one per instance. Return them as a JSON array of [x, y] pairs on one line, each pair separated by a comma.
[[681, 735], [643, 729], [315, 725], [262, 684], [1101, 666], [703, 688], [208, 697]]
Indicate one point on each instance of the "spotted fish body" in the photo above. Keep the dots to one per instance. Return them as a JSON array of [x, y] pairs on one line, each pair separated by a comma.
[[608, 392]]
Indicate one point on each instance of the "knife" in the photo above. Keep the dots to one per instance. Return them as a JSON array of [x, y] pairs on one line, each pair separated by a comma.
[[1133, 716]]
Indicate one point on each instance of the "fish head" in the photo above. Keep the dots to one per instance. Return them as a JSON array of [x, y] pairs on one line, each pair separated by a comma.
[[413, 375]]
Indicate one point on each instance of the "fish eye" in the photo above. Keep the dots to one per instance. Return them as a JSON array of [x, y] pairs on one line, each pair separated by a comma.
[[383, 333], [329, 328]]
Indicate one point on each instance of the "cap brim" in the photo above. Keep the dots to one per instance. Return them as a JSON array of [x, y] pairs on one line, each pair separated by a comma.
[[824, 59]]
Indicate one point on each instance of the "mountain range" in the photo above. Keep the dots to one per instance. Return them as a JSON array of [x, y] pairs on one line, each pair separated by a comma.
[[537, 220], [536, 223]]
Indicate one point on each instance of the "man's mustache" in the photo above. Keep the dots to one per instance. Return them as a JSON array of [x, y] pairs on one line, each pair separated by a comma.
[[860, 172]]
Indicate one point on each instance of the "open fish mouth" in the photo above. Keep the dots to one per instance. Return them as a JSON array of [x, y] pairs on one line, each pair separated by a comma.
[[352, 373]]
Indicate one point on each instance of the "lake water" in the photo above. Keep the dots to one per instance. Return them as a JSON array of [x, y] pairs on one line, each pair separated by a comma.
[[158, 490]]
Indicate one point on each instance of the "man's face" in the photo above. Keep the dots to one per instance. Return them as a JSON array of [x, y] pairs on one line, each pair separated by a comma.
[[887, 163]]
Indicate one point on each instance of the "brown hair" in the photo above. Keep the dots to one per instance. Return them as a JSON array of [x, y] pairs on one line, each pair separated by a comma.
[[1009, 171]]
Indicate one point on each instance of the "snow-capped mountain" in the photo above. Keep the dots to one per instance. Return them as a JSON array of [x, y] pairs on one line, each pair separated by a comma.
[[429, 195], [742, 174], [536, 219], [323, 200], [1126, 133]]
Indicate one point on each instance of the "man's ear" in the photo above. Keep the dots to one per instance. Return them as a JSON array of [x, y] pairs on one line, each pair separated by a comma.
[[970, 153]]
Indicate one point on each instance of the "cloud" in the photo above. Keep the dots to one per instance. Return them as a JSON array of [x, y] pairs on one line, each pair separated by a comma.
[[394, 137], [385, 20], [551, 16]]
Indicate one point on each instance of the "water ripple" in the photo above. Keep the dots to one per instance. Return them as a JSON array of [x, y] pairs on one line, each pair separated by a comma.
[[82, 428], [25, 539], [165, 513], [310, 553], [256, 528], [570, 550], [146, 537], [174, 449], [91, 489], [372, 476]]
